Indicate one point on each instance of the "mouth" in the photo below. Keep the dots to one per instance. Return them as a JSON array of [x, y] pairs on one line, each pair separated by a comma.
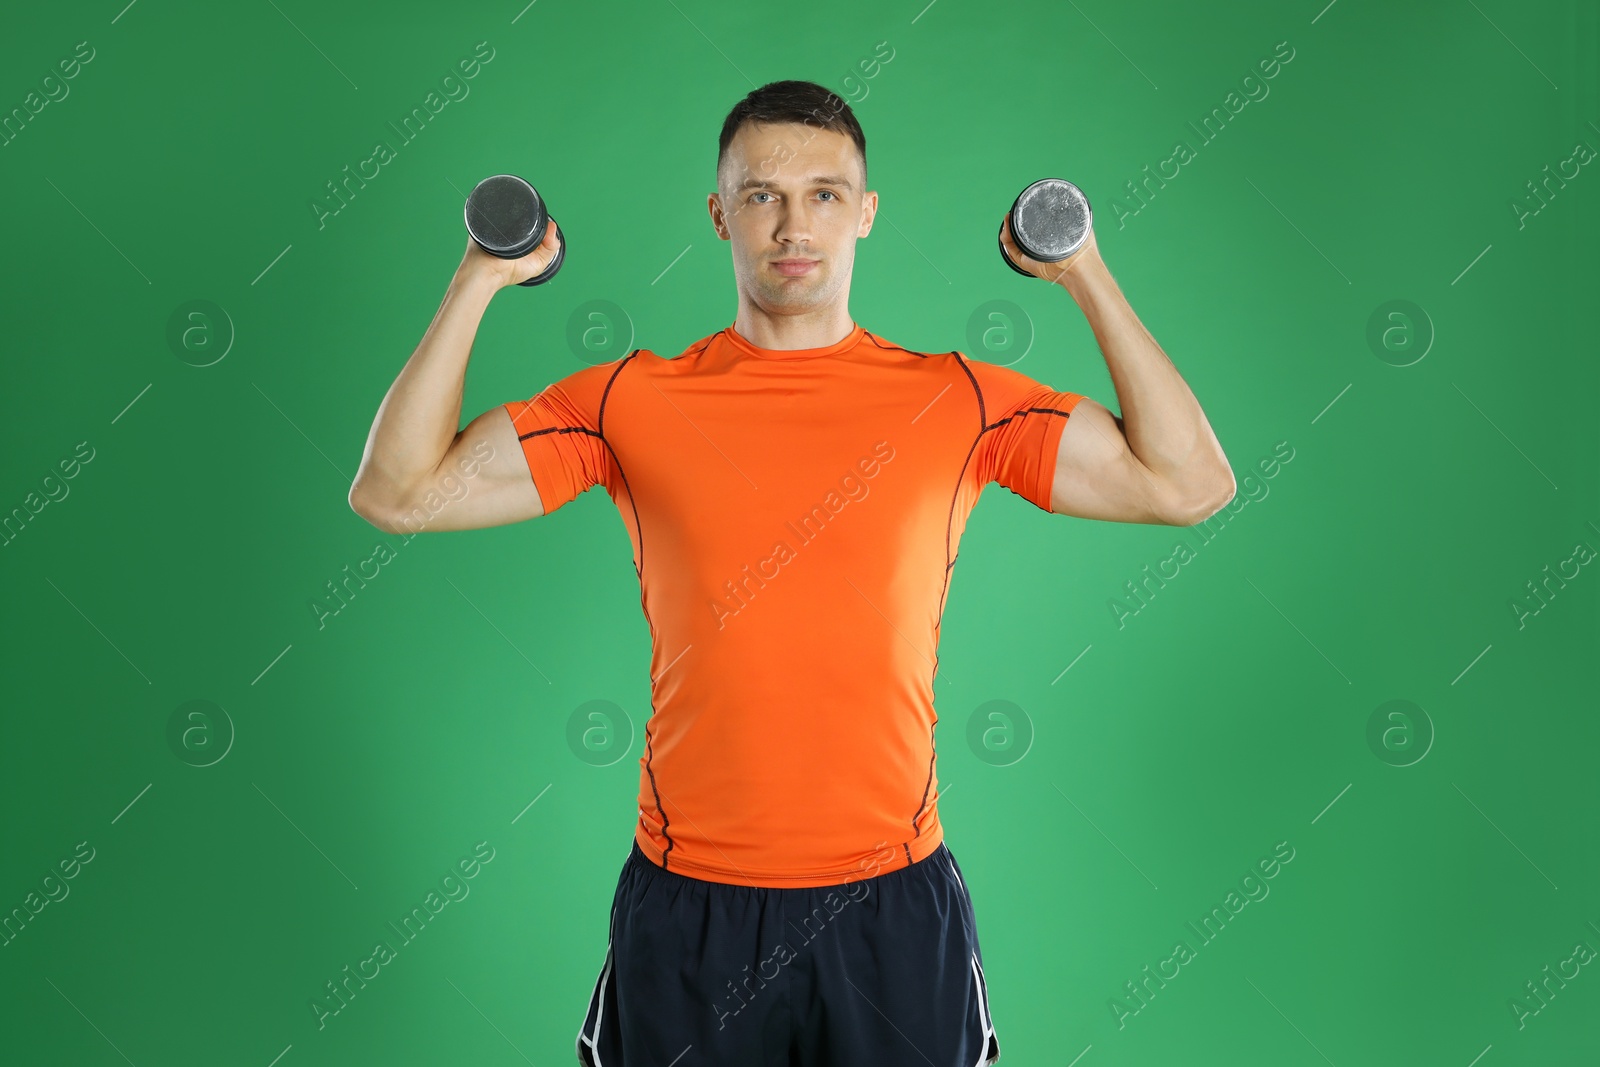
[[793, 268]]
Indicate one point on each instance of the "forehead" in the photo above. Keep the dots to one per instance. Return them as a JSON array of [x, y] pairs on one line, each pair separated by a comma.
[[788, 152]]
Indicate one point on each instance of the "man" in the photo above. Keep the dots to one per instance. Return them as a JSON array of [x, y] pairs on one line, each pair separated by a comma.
[[795, 488]]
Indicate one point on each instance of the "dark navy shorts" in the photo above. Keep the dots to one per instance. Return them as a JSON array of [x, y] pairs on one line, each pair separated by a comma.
[[877, 972]]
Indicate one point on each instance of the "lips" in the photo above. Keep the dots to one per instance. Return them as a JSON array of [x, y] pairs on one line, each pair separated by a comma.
[[793, 267]]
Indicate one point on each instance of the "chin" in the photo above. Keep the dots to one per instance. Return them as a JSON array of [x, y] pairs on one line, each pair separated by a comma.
[[792, 296]]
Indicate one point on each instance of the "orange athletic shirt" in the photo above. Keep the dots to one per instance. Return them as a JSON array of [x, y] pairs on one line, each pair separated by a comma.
[[794, 517]]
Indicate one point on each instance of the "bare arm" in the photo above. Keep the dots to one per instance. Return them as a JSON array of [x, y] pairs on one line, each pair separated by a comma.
[[419, 472], [1160, 462]]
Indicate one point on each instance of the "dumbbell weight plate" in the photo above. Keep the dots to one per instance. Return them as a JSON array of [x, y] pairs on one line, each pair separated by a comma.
[[1050, 221], [507, 217]]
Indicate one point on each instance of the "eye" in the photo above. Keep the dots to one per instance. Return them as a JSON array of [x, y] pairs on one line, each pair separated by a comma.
[[756, 194], [828, 192]]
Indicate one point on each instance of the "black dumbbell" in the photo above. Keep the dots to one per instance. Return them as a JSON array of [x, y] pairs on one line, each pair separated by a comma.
[[508, 219], [1050, 220]]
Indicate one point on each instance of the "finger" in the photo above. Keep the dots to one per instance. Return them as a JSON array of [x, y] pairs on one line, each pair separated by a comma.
[[1022, 259], [1010, 245]]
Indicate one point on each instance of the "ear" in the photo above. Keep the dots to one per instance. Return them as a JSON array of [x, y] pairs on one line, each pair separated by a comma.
[[869, 209], [718, 222]]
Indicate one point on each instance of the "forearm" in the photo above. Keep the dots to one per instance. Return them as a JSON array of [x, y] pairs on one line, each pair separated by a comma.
[[421, 413], [1163, 422]]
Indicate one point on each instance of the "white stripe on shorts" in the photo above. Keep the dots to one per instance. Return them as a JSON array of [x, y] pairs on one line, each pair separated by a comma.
[[983, 1009]]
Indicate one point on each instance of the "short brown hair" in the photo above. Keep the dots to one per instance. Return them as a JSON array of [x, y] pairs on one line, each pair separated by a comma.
[[798, 102]]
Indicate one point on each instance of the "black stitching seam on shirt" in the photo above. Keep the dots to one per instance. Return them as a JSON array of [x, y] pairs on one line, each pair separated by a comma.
[[556, 429], [933, 755], [649, 741], [1024, 411], [983, 427], [877, 341], [599, 432]]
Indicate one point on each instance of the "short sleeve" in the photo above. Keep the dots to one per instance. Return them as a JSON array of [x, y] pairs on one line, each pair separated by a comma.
[[559, 429], [1023, 421]]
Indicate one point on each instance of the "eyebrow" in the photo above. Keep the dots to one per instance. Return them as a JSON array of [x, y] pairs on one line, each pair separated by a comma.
[[818, 179]]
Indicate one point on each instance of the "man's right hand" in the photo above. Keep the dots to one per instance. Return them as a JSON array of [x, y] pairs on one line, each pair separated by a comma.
[[512, 271]]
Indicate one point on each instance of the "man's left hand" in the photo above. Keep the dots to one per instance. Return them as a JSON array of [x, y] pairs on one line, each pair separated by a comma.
[[1058, 273]]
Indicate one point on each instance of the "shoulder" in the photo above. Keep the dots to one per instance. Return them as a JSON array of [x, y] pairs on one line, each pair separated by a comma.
[[592, 379], [699, 346], [878, 341], [988, 376], [992, 386], [649, 361], [998, 376], [999, 387]]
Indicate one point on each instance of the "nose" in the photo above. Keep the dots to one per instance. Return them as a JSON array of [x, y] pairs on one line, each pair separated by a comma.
[[794, 226]]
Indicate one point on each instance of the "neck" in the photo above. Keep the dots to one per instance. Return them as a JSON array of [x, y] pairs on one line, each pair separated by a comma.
[[780, 333]]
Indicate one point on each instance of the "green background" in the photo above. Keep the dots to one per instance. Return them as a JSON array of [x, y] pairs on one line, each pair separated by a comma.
[[367, 755]]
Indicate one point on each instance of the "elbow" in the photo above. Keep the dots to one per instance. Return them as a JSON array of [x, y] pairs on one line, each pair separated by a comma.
[[362, 504], [1211, 496], [358, 501]]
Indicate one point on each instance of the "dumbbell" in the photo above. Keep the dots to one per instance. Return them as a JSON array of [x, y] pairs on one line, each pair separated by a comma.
[[1050, 221], [508, 219]]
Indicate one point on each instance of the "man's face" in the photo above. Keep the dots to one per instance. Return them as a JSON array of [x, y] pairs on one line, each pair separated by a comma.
[[788, 194]]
